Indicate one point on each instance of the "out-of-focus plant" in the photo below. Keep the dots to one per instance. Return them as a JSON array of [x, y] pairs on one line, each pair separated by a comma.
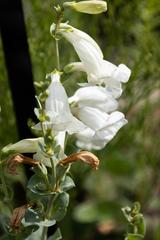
[[136, 222]]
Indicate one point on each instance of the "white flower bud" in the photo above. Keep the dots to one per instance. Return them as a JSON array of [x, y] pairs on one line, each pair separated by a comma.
[[90, 7]]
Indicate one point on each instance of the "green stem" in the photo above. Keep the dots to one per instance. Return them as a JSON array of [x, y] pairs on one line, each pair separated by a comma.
[[53, 166], [44, 233], [58, 21], [45, 229], [57, 54]]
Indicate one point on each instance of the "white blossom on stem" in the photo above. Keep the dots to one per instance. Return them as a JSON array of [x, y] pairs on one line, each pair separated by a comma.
[[94, 96], [97, 139], [99, 71], [90, 7], [58, 110], [29, 145]]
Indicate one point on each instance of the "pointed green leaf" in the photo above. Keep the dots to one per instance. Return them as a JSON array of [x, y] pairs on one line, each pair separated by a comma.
[[67, 184], [37, 185]]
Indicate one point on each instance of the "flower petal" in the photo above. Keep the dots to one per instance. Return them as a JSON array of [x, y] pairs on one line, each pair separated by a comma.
[[122, 73], [56, 105], [92, 117], [96, 97], [87, 49], [115, 122]]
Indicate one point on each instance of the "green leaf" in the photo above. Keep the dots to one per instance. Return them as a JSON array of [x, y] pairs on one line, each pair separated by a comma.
[[60, 205], [56, 236], [24, 233], [37, 185], [35, 235], [134, 237], [61, 171], [140, 222], [67, 184], [32, 218]]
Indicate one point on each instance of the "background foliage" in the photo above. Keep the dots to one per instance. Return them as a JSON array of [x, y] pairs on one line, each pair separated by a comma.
[[129, 170]]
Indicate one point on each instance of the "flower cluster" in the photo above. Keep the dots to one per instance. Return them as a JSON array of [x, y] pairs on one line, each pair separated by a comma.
[[91, 113]]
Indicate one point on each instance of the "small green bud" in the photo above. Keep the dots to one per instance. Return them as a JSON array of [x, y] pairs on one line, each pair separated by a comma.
[[90, 7]]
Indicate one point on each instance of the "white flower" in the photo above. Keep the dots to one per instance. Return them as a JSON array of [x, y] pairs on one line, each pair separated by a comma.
[[90, 7], [92, 105], [58, 110], [99, 71], [86, 48], [29, 145], [108, 74], [91, 139], [94, 96], [35, 145], [92, 117]]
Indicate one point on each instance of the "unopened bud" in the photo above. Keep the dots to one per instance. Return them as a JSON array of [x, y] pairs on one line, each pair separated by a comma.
[[90, 7]]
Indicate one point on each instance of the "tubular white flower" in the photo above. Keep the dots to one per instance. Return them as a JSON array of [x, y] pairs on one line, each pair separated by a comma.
[[32, 145], [98, 70], [90, 7], [109, 74], [94, 96], [29, 145], [58, 110], [90, 139], [86, 48]]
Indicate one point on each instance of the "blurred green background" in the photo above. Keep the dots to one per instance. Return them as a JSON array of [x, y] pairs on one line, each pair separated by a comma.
[[128, 33]]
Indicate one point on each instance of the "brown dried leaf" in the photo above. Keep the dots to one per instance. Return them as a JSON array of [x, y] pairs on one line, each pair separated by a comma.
[[85, 156], [17, 159], [18, 214]]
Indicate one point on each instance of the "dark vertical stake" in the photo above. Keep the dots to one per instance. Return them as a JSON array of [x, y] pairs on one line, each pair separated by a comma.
[[18, 62]]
